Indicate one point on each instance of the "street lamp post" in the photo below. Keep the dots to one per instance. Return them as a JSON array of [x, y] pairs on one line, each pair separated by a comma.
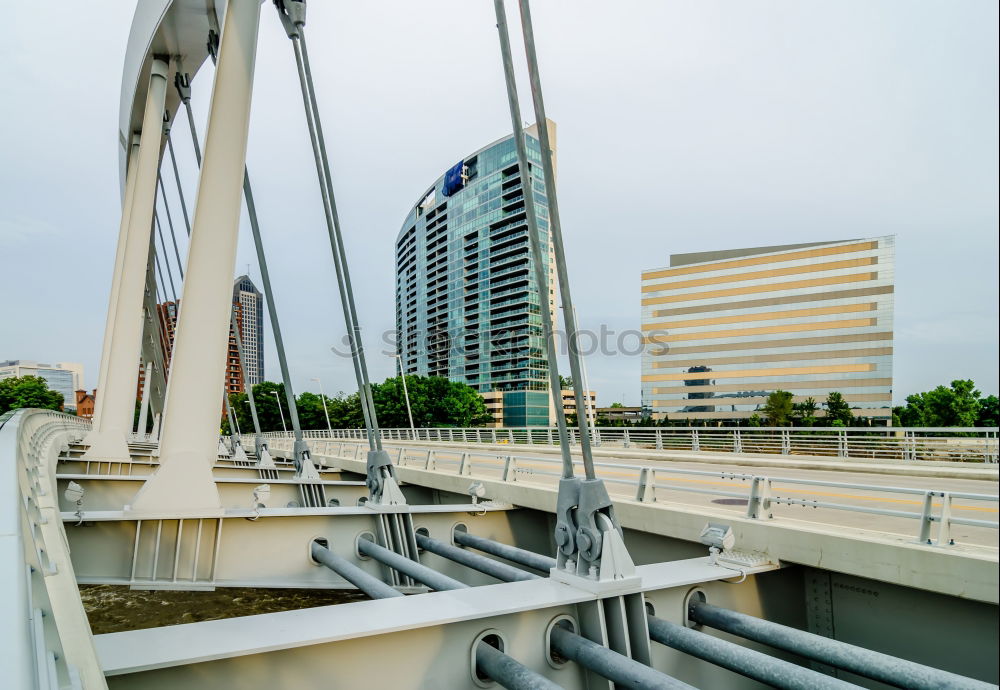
[[322, 396], [406, 392], [280, 411]]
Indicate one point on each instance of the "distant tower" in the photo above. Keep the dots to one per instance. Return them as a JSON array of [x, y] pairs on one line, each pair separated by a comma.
[[468, 306], [251, 302]]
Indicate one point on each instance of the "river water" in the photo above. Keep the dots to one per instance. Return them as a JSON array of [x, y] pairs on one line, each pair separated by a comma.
[[115, 608]]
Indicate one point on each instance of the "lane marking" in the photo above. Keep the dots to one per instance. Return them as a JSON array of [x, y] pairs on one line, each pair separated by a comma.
[[858, 497]]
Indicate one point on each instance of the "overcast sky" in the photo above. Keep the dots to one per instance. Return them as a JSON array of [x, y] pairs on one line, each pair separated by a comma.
[[683, 126]]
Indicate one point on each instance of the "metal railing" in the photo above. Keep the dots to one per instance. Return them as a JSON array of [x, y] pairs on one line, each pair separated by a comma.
[[872, 444], [44, 626], [760, 492]]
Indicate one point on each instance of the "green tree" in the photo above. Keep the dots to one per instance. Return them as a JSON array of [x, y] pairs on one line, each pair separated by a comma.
[[434, 400], [565, 383], [957, 405], [838, 412], [989, 411], [28, 391], [805, 412], [778, 408]]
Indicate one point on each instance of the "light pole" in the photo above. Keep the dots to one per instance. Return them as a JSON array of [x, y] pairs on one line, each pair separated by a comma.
[[406, 393], [322, 396], [280, 411]]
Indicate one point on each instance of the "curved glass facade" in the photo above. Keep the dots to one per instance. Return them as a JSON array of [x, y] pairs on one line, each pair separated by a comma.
[[468, 306], [722, 330]]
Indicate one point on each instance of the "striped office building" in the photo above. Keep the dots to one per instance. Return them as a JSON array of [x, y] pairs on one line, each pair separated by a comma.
[[724, 329]]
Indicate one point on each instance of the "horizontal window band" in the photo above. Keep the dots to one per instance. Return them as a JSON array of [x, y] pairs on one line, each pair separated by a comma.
[[762, 330], [729, 402], [877, 412], [759, 260], [832, 339], [765, 316], [776, 357], [770, 287], [758, 275], [749, 373], [832, 384], [775, 301]]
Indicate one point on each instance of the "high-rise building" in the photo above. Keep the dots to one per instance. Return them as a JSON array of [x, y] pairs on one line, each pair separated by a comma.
[[64, 377], [468, 306], [251, 302], [724, 329], [168, 313]]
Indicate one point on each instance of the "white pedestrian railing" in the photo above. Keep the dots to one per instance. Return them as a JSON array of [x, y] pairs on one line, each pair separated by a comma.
[[963, 444], [44, 626], [760, 493]]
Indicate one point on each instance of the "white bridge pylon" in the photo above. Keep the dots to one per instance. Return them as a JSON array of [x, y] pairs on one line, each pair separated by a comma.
[[183, 483]]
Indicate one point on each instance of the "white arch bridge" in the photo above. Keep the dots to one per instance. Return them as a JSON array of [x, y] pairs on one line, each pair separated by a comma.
[[484, 564]]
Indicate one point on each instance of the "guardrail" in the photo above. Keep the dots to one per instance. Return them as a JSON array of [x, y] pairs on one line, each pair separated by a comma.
[[47, 640], [962, 444], [761, 492]]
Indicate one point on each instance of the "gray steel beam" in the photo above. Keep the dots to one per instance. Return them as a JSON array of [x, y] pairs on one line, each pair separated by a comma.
[[864, 662], [421, 573], [623, 671], [511, 553], [369, 584], [746, 662], [501, 571], [508, 672]]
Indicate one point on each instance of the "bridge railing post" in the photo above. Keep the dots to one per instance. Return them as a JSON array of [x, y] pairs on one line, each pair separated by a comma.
[[759, 503], [510, 469], [646, 493], [926, 518], [695, 441], [659, 438], [944, 528]]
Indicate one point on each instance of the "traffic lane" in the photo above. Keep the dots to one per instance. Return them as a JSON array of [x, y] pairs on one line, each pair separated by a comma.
[[730, 494]]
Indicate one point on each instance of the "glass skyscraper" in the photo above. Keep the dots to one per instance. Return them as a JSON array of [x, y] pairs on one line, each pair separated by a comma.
[[723, 330], [468, 306]]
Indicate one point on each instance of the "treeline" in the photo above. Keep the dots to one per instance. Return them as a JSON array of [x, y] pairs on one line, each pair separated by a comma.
[[435, 402], [28, 391]]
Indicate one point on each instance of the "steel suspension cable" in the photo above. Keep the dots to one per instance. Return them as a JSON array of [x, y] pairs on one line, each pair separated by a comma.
[[538, 259], [177, 180], [166, 257], [336, 238], [170, 224], [555, 229]]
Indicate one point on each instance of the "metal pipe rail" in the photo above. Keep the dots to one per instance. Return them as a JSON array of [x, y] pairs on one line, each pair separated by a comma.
[[872, 444], [369, 584], [417, 571], [502, 668], [500, 571], [506, 551], [623, 671], [509, 672], [746, 662], [864, 662], [758, 490], [616, 667]]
